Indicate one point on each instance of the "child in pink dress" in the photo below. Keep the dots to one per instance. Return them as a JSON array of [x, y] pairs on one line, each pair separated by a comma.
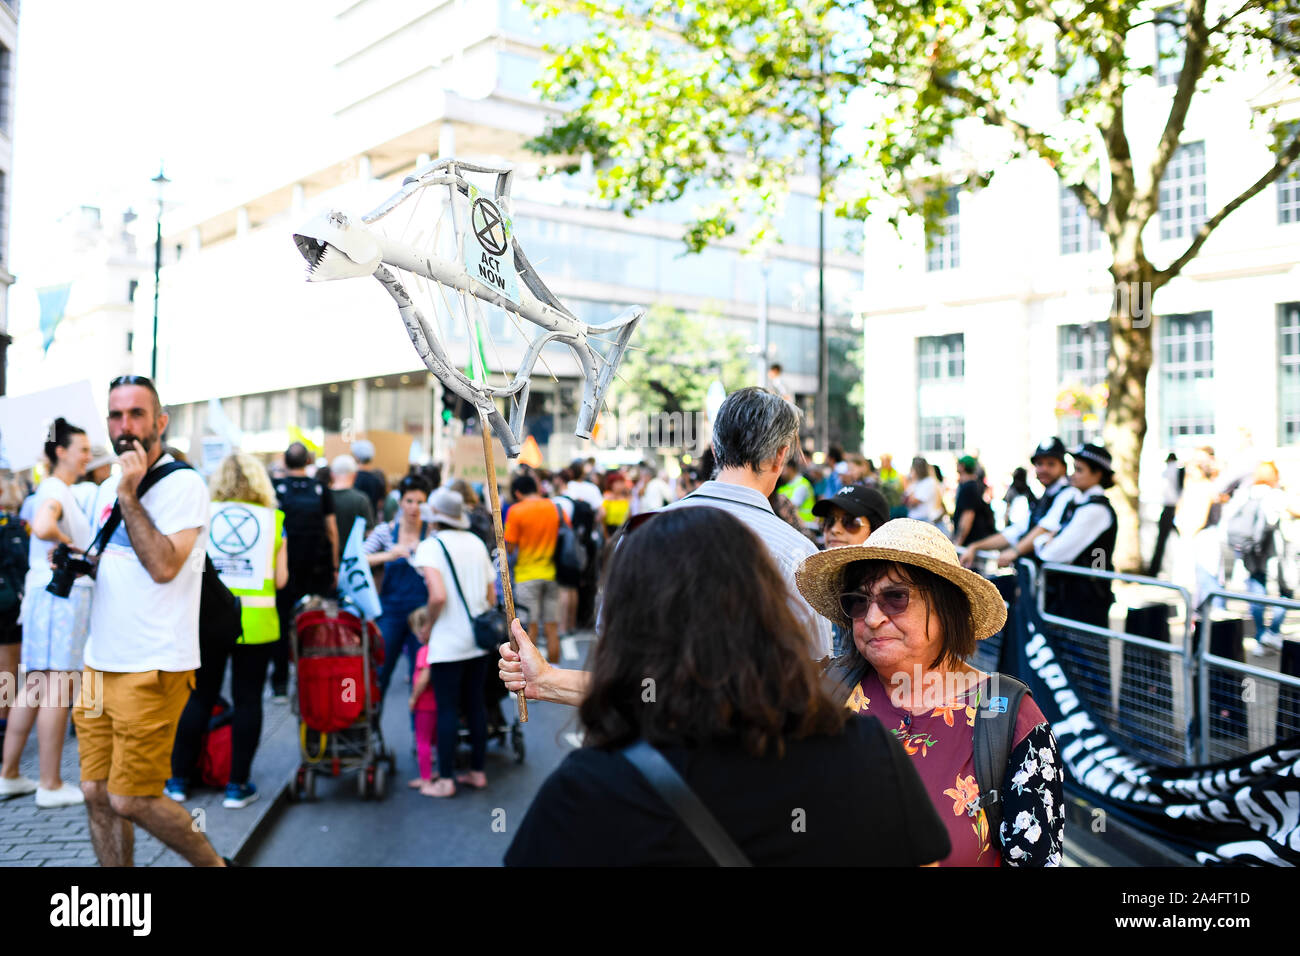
[[424, 706]]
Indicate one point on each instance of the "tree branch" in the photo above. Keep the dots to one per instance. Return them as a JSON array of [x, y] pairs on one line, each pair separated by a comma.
[[1285, 159], [1063, 25], [1194, 45], [1224, 21], [1028, 137]]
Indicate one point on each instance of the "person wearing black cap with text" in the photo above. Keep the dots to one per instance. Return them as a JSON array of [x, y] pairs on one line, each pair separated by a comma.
[[1017, 540], [851, 514], [848, 518]]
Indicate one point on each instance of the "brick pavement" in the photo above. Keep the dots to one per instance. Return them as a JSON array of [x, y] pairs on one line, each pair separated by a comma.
[[61, 836]]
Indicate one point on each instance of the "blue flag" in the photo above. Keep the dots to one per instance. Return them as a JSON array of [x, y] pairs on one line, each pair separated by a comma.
[[54, 300], [355, 580]]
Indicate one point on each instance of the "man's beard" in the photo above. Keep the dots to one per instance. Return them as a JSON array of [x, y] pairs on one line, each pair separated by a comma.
[[124, 443]]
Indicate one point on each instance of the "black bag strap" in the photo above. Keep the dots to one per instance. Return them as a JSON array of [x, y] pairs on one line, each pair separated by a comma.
[[668, 783], [455, 578], [995, 737], [151, 478]]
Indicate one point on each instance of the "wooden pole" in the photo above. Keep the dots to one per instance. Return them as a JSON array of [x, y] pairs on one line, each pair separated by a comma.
[[503, 561]]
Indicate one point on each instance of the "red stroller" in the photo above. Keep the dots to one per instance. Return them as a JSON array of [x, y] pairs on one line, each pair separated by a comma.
[[337, 661]]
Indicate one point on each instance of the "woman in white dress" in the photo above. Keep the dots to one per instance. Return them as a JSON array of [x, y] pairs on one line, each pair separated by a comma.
[[54, 628]]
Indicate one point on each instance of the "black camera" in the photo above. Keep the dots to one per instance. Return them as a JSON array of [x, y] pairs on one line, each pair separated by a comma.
[[66, 570]]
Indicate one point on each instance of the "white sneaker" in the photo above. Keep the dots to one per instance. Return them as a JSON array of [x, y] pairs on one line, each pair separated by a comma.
[[66, 796], [17, 787]]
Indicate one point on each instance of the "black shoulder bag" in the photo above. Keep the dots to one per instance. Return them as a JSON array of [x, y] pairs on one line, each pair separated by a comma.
[[219, 610], [490, 629]]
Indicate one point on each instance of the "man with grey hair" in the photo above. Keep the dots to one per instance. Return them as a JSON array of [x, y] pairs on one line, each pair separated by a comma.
[[349, 504], [753, 436]]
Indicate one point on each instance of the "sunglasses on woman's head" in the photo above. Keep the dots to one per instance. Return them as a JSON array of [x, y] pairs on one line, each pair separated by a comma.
[[891, 600], [848, 522]]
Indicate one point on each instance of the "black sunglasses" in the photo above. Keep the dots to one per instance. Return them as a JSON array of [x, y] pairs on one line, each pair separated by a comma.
[[892, 601]]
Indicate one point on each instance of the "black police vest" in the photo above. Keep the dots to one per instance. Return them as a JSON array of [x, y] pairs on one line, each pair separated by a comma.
[[1042, 505], [1069, 593]]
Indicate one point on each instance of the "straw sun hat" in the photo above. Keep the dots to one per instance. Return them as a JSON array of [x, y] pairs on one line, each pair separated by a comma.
[[905, 541]]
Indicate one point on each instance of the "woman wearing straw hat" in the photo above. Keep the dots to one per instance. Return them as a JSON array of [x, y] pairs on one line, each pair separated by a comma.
[[916, 614]]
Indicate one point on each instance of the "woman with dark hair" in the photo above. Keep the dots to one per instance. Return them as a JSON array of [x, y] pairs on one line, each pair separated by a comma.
[[402, 588], [916, 615], [737, 710], [54, 627]]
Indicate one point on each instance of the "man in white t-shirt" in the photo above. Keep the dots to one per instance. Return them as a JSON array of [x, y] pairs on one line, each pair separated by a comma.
[[143, 647]]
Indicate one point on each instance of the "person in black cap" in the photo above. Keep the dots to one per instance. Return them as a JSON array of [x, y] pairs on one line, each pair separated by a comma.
[[1017, 540], [849, 517], [851, 514]]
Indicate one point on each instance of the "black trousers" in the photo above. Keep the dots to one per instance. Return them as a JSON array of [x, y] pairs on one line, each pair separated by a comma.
[[1162, 537], [247, 674]]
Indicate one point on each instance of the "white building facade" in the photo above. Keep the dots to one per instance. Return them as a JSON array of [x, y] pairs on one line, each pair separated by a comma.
[[998, 328], [410, 82]]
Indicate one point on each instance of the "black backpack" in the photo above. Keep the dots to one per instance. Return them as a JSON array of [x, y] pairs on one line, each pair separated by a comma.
[[14, 542], [302, 500], [995, 732]]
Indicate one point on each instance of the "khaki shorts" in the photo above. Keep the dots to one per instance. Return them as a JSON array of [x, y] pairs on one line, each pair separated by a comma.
[[126, 725], [541, 598]]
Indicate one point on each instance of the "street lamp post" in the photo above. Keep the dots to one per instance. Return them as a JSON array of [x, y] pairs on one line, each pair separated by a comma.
[[160, 181]]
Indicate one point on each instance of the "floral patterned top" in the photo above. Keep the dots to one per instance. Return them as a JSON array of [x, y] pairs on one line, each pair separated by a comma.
[[942, 747]]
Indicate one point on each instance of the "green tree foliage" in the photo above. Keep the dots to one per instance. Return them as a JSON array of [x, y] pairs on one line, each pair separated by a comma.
[[675, 357], [737, 97]]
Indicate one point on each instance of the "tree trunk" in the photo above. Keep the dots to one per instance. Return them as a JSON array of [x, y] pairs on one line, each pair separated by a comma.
[[1126, 408]]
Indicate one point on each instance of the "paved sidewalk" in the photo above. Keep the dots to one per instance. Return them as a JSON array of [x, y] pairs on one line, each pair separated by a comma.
[[61, 836]]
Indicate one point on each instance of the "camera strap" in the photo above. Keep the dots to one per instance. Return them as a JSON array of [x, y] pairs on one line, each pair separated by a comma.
[[151, 478]]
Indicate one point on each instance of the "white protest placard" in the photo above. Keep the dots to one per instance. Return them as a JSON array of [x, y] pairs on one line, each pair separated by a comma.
[[355, 580], [25, 422], [488, 256], [241, 543]]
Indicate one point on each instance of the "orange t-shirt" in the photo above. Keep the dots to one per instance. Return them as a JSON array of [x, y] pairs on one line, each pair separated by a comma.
[[533, 525]]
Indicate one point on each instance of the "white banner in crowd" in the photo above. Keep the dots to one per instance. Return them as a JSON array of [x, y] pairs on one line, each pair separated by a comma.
[[25, 422], [355, 581]]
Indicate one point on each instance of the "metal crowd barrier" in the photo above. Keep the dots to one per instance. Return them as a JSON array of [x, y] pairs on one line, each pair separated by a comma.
[[1224, 708], [1143, 710], [1239, 707]]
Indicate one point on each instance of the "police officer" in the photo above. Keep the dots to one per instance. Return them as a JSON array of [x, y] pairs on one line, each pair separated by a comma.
[[1084, 537], [1017, 540]]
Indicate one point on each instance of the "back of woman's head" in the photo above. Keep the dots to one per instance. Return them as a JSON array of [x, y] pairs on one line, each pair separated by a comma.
[[241, 477], [698, 642], [60, 436]]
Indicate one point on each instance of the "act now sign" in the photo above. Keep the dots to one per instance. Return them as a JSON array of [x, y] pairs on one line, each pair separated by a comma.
[[488, 256]]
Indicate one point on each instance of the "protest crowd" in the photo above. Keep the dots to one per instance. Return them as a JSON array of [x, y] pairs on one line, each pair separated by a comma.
[[773, 595]]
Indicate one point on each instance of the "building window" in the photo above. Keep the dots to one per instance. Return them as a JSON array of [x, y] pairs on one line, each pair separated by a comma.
[[1286, 30], [1182, 192], [6, 64], [1288, 377], [1170, 23], [1081, 353], [943, 244], [130, 289], [1078, 229], [4, 218], [1288, 186], [1186, 376], [941, 373]]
